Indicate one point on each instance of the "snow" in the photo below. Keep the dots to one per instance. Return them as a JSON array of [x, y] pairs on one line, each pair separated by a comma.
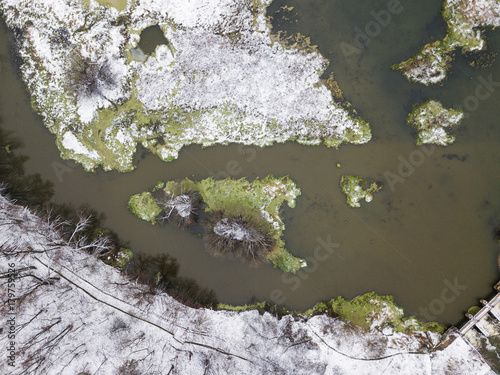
[[137, 55], [191, 13], [70, 142], [221, 79], [234, 230], [80, 315], [431, 119], [182, 205], [431, 64], [428, 74], [464, 358], [481, 12]]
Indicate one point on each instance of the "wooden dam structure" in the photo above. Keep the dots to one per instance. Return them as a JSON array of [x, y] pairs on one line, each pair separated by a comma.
[[490, 308]]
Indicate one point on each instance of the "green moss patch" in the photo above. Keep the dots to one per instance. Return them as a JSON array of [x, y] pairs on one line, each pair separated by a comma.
[[373, 311], [144, 206], [474, 310]]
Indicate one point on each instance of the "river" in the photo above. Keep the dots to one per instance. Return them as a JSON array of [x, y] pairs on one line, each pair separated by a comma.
[[426, 239]]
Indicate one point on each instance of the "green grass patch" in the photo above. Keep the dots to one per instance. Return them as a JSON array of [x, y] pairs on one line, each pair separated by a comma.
[[144, 206], [371, 308]]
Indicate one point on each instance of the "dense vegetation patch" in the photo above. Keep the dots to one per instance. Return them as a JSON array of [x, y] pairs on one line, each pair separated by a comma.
[[239, 218]]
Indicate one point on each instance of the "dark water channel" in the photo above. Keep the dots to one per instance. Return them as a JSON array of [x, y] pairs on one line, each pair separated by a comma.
[[432, 229]]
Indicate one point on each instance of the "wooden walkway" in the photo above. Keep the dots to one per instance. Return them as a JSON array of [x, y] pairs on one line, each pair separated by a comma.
[[489, 308]]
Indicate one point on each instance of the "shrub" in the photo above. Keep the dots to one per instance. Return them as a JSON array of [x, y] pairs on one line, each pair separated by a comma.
[[61, 37], [244, 237], [119, 325], [160, 272], [87, 78], [129, 368], [182, 207]]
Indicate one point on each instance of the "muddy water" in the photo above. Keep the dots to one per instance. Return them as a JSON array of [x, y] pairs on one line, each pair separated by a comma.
[[433, 228]]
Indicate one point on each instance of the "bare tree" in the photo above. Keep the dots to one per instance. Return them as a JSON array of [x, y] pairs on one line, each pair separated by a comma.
[[183, 207], [88, 79]]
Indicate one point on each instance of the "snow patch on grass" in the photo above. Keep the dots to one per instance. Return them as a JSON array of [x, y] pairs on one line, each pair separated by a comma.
[[352, 187]]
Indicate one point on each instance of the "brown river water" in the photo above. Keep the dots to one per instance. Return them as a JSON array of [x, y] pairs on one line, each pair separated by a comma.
[[426, 238]]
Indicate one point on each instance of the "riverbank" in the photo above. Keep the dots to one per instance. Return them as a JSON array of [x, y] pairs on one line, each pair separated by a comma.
[[87, 317]]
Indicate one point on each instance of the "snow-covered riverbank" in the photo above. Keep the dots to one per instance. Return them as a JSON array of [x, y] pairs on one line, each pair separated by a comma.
[[76, 315]]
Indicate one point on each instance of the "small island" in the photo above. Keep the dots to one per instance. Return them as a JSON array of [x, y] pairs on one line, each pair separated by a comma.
[[239, 218], [356, 188], [432, 120]]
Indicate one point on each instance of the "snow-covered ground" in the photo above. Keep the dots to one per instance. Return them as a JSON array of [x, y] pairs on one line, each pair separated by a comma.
[[76, 315], [220, 79]]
